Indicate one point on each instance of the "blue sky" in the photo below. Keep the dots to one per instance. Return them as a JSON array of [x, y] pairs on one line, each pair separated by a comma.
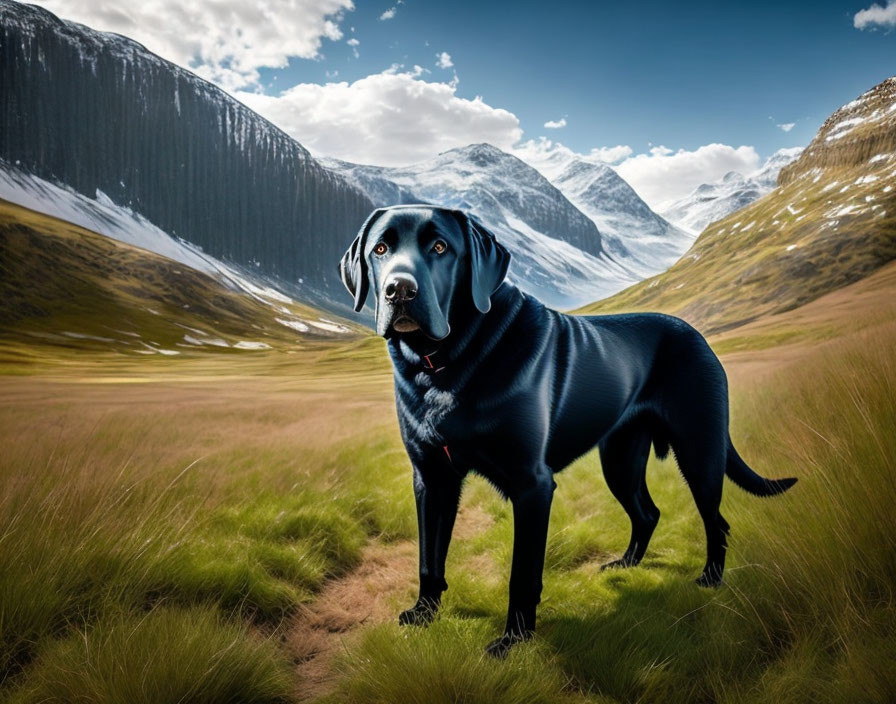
[[627, 73], [671, 94]]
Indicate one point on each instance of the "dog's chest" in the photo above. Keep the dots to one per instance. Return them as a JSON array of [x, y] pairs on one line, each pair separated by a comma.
[[428, 409]]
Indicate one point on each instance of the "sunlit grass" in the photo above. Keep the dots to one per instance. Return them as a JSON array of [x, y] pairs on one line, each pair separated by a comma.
[[197, 511], [239, 496], [164, 655]]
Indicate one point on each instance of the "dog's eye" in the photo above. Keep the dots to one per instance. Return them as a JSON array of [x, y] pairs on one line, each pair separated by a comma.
[[380, 249], [439, 247]]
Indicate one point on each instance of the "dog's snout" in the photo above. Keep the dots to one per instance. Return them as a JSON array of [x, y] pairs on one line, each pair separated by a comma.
[[401, 288]]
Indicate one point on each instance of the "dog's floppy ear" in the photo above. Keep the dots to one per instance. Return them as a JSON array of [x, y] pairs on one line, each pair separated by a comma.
[[353, 265], [488, 260]]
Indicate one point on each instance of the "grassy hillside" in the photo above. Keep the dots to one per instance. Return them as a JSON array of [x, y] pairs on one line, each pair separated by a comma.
[[831, 221], [64, 285]]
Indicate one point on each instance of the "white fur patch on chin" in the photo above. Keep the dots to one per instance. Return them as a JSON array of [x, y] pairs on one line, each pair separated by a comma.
[[405, 325]]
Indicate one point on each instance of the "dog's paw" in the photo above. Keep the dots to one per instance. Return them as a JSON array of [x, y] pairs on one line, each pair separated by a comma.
[[619, 564], [499, 647], [417, 615]]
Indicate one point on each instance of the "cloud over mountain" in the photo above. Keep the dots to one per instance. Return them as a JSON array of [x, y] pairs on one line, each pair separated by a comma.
[[225, 41], [391, 118]]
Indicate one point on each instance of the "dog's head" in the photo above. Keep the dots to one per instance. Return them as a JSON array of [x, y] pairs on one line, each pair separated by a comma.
[[424, 263]]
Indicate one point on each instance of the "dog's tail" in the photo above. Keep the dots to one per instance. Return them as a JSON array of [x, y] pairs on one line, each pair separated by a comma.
[[741, 474]]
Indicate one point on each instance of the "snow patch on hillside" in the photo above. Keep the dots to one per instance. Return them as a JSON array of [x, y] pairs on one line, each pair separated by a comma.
[[120, 223]]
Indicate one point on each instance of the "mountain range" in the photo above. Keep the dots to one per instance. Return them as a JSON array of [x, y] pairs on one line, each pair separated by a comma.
[[631, 231], [96, 130], [558, 252], [98, 114], [710, 202], [132, 138], [830, 221]]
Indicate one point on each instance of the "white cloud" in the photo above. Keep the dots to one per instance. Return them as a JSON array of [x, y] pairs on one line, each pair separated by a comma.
[[610, 155], [555, 124], [443, 60], [663, 175], [787, 126], [876, 15], [225, 41], [354, 44], [391, 118]]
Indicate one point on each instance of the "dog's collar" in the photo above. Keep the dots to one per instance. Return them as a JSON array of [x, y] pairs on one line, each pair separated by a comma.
[[434, 362]]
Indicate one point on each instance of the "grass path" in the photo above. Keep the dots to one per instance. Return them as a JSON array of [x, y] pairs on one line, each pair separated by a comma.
[[383, 583], [365, 596]]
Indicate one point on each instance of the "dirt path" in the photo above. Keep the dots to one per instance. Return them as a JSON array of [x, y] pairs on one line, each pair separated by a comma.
[[383, 583]]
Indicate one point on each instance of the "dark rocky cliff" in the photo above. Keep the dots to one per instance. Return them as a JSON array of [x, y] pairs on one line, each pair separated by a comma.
[[97, 111]]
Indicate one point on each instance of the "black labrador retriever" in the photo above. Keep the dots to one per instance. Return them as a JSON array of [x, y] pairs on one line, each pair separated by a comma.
[[489, 379]]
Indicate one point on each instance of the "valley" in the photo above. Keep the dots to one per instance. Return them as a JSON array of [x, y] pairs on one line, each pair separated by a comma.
[[249, 516], [204, 496]]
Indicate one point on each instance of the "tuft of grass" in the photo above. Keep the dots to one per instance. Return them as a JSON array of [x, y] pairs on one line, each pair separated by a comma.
[[444, 665], [166, 655], [823, 567]]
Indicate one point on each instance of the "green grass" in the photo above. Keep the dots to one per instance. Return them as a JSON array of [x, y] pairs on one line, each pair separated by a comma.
[[190, 490], [767, 340], [181, 522], [165, 522], [161, 656]]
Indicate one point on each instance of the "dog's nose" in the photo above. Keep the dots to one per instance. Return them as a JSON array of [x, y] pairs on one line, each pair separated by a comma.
[[401, 288]]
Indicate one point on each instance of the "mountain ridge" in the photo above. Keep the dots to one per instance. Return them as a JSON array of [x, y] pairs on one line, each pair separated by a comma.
[[68, 286], [632, 231], [97, 112], [558, 252], [713, 201], [830, 221]]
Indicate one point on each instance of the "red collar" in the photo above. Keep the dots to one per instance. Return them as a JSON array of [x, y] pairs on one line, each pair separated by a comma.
[[433, 362]]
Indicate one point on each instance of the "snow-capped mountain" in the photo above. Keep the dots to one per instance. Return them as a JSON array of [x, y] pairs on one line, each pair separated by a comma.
[[98, 113], [828, 222], [710, 202], [558, 253], [632, 233], [767, 175]]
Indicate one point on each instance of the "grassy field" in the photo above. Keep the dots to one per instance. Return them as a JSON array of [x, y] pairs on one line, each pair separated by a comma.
[[240, 528]]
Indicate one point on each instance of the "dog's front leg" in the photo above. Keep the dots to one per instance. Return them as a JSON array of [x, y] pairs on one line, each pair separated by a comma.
[[531, 514], [437, 492]]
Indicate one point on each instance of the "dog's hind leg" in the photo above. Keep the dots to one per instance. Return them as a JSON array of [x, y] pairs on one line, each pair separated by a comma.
[[703, 467], [623, 457]]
